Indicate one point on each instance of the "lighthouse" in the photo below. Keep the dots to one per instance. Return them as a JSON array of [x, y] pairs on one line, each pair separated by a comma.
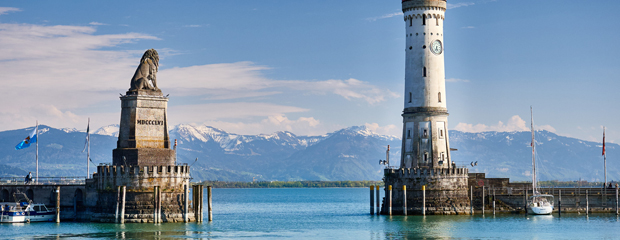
[[425, 115], [425, 157]]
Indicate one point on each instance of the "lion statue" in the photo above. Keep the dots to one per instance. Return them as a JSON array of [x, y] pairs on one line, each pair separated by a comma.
[[146, 74]]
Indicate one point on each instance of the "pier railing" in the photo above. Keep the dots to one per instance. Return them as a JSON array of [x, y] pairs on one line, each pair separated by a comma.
[[43, 181]]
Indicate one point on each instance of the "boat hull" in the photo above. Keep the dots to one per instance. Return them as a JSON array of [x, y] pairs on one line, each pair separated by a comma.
[[540, 210]]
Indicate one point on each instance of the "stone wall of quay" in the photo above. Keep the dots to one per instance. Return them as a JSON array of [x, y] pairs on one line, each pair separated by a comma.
[[140, 182], [446, 191]]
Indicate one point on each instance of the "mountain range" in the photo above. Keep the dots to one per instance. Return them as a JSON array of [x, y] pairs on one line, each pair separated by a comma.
[[347, 154]]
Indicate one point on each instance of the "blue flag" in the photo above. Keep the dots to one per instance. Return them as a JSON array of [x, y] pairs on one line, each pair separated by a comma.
[[32, 138]]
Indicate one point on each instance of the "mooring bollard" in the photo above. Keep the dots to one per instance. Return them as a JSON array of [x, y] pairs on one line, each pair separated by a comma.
[[378, 201], [209, 204], [423, 200], [372, 200], [118, 202], [390, 199], [471, 200], [123, 205], [587, 204], [185, 203], [405, 200], [560, 202], [58, 204]]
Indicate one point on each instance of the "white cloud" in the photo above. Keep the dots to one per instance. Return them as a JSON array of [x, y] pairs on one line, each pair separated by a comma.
[[456, 80], [349, 89], [469, 27], [391, 129], [372, 19], [59, 66], [270, 124], [193, 26], [64, 68], [97, 24], [458, 5], [5, 10], [231, 80], [514, 124]]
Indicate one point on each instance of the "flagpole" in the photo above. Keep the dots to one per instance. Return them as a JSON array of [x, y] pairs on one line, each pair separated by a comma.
[[604, 157], [36, 133], [88, 153]]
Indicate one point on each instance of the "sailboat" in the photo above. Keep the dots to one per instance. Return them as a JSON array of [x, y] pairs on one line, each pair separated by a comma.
[[538, 204]]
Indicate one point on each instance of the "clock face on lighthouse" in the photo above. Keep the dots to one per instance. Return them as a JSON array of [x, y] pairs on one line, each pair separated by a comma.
[[436, 47]]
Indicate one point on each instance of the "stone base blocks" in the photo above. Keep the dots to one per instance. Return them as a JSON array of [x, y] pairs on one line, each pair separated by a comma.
[[140, 202], [446, 193]]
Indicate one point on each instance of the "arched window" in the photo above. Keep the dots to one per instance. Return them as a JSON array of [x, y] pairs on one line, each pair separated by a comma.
[[423, 19], [425, 71], [410, 22], [410, 96], [425, 156], [408, 133], [439, 96], [437, 21]]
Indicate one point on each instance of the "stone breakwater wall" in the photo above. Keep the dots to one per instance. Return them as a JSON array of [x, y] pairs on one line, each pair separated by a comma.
[[512, 199], [446, 190], [139, 201]]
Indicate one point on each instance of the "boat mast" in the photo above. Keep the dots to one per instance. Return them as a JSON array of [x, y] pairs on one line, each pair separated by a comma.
[[533, 151]]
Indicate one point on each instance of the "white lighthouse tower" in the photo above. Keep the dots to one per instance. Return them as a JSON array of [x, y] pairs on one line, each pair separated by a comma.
[[425, 116], [425, 160]]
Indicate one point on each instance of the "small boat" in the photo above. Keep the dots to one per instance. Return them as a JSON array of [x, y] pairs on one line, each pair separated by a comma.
[[23, 210], [538, 204]]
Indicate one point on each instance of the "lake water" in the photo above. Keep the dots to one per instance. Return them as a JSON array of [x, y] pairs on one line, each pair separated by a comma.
[[328, 213]]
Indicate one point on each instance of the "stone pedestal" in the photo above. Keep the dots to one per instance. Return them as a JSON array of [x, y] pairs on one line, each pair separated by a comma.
[[143, 134]]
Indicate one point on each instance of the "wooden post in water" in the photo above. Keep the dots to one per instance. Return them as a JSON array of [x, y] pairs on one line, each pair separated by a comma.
[[423, 200], [209, 204], [390, 199], [493, 201], [378, 200], [525, 200], [616, 199], [123, 204], [405, 200], [372, 200], [155, 204], [75, 207], [57, 204], [185, 203], [471, 200], [194, 203], [158, 204], [560, 202], [200, 188], [482, 200], [118, 202], [587, 204]]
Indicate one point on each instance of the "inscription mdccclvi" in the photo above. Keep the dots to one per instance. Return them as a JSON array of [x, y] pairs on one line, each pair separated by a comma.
[[150, 122]]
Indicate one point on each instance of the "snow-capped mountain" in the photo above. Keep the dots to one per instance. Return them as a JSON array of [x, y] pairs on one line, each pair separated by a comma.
[[347, 154], [110, 130]]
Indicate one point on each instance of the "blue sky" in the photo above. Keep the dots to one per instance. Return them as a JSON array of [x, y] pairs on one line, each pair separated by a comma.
[[310, 67]]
